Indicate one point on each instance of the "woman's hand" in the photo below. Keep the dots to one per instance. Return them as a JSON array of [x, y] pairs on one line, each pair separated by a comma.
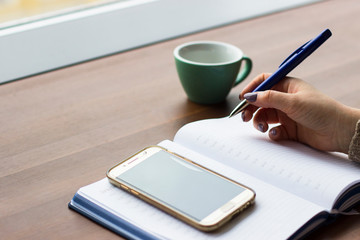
[[304, 114]]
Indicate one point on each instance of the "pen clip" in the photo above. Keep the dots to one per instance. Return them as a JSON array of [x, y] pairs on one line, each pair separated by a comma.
[[295, 52]]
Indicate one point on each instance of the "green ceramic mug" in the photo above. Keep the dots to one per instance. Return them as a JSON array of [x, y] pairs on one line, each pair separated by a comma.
[[208, 70]]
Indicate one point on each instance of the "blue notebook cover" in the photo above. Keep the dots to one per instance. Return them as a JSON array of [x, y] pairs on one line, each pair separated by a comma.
[[108, 220], [130, 231]]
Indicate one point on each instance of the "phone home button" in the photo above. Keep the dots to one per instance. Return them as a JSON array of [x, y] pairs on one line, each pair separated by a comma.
[[227, 207]]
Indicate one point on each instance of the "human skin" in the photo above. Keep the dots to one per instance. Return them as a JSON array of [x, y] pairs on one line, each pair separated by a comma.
[[302, 113]]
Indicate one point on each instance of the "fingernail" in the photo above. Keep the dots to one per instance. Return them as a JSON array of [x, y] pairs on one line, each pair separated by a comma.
[[261, 127], [243, 116], [273, 132], [251, 97]]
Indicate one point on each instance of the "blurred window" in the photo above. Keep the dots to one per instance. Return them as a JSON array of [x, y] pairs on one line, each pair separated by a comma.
[[15, 12]]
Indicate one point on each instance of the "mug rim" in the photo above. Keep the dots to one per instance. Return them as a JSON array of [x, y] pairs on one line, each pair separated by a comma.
[[181, 46]]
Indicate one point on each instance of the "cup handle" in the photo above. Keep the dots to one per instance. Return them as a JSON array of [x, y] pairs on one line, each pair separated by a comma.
[[245, 71]]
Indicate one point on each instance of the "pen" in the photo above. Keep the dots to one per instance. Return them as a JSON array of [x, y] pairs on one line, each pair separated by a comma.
[[286, 66]]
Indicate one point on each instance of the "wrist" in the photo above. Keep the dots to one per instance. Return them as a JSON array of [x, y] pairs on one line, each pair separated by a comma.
[[348, 119], [354, 148]]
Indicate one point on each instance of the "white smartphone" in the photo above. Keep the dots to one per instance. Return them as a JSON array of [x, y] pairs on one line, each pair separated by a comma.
[[182, 188]]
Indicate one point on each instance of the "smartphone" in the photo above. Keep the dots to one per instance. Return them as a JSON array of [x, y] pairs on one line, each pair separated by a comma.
[[182, 188]]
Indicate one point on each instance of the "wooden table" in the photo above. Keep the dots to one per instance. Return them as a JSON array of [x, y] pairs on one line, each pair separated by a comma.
[[63, 129]]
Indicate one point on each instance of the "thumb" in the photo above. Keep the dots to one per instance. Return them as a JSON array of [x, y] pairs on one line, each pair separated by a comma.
[[270, 99]]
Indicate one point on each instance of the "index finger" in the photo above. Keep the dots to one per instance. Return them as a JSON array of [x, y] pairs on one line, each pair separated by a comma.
[[254, 83], [282, 86]]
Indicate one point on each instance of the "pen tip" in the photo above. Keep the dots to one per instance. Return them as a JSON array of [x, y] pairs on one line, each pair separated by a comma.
[[242, 105]]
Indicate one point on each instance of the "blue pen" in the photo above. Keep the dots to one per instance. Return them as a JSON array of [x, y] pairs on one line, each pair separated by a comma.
[[288, 65]]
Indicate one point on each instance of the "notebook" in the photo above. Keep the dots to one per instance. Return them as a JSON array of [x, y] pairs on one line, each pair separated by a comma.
[[297, 188]]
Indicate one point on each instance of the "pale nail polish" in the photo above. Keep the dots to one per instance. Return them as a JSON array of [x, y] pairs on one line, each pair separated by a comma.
[[261, 127], [273, 132], [250, 97]]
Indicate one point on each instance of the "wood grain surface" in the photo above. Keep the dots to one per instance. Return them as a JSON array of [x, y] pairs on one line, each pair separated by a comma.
[[63, 129]]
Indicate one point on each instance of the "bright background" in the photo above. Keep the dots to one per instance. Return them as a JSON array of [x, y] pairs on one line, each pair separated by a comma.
[[13, 12]]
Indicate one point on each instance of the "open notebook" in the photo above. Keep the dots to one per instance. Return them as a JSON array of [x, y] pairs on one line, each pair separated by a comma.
[[297, 188]]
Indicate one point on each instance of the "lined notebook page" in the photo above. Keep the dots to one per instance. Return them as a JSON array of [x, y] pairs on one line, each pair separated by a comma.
[[273, 212], [307, 173]]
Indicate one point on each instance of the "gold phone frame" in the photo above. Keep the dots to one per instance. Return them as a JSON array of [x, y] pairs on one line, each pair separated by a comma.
[[211, 222]]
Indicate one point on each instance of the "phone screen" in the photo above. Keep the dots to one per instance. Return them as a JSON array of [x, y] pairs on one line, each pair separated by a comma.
[[179, 184]]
